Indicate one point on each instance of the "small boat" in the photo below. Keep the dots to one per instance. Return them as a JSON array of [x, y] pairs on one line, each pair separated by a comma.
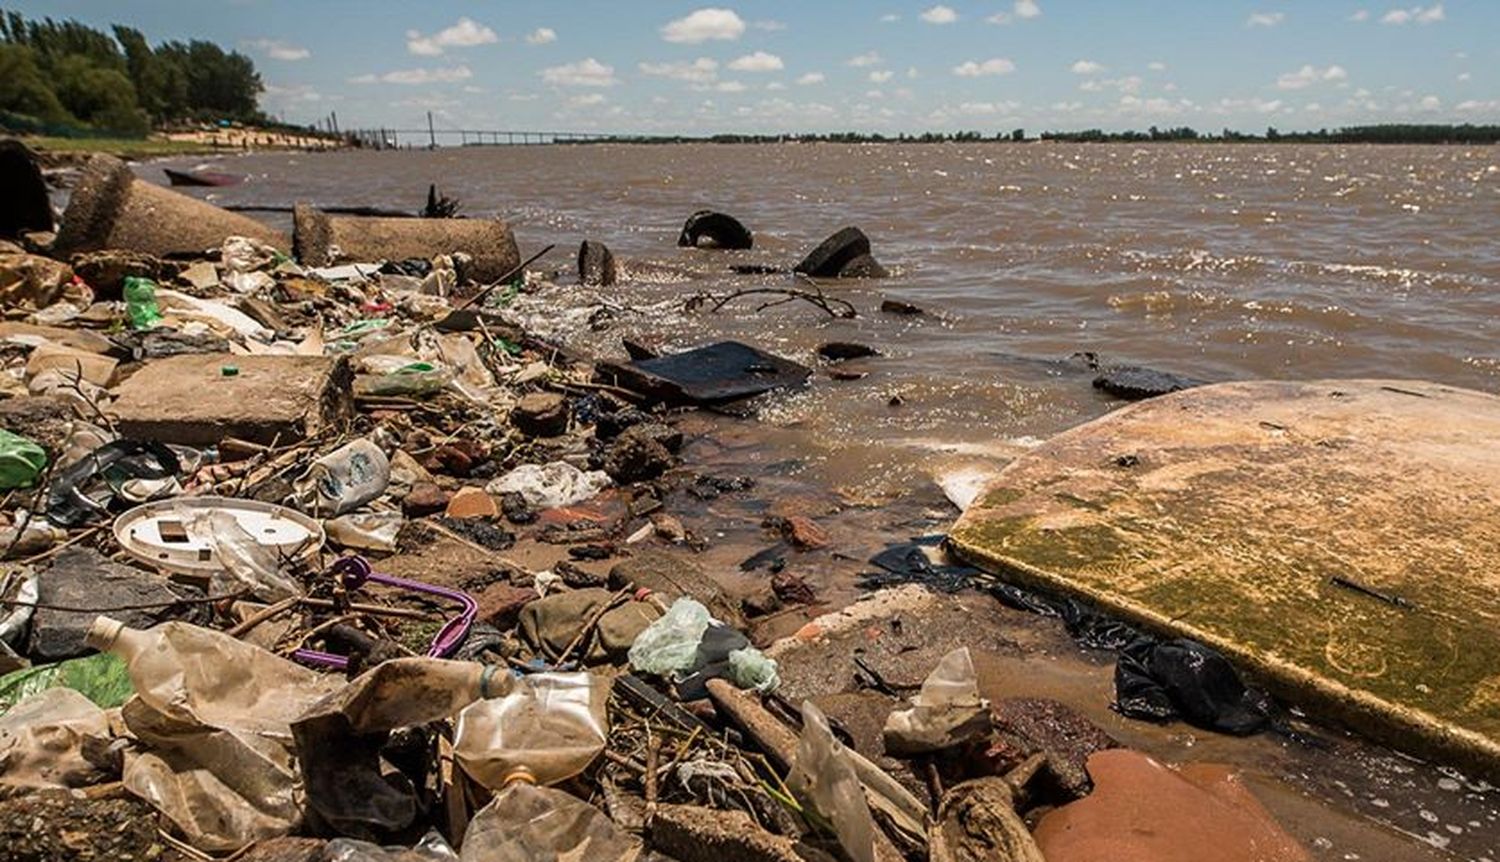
[[201, 178]]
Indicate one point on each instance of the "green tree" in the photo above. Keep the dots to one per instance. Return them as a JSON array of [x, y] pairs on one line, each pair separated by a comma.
[[24, 90], [99, 96]]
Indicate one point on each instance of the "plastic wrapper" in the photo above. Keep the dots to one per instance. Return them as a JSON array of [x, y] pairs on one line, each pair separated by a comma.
[[948, 711], [245, 561], [42, 740], [21, 461], [550, 727], [526, 823], [749, 668], [670, 645], [365, 531], [824, 778], [344, 479], [103, 679], [548, 486]]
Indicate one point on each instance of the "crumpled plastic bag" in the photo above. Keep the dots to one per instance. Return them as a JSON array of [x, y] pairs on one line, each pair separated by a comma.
[[432, 848], [243, 254], [245, 562], [42, 739], [526, 823], [1163, 680], [823, 777], [948, 711], [688, 646], [670, 645], [549, 486], [551, 725], [365, 531]]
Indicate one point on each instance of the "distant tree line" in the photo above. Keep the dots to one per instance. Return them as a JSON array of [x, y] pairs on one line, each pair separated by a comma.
[[63, 73], [1377, 134]]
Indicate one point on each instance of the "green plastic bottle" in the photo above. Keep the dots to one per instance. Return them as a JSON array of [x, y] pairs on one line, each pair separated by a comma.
[[140, 303]]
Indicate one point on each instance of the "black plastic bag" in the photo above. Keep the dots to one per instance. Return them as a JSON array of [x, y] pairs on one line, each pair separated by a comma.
[[83, 492], [1164, 680]]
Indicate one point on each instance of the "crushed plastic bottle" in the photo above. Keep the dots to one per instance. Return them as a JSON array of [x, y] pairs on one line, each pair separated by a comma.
[[141, 308], [344, 479]]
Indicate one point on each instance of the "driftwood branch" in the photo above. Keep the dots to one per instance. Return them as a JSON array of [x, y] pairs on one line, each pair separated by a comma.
[[832, 306]]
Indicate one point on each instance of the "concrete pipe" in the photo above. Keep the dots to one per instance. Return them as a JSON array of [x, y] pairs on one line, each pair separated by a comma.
[[111, 208], [320, 239]]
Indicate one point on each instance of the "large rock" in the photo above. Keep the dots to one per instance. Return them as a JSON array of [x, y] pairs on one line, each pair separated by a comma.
[[635, 456], [190, 400], [82, 578], [709, 229], [23, 191], [1337, 540], [321, 239], [596, 265], [110, 208]]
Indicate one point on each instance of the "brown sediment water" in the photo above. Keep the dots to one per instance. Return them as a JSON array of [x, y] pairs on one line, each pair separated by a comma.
[[1219, 262]]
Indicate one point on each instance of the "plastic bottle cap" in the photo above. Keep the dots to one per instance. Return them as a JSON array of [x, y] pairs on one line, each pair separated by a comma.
[[103, 633], [229, 370], [518, 775]]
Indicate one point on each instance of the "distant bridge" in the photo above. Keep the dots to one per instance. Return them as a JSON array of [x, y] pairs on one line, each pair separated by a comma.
[[381, 139]]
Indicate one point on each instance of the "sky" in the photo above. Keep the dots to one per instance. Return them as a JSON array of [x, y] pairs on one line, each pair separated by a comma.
[[663, 67]]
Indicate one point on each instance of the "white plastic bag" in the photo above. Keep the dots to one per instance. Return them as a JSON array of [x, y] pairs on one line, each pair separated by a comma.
[[548, 486], [670, 645]]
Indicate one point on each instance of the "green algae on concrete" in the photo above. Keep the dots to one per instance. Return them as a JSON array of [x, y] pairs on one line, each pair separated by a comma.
[[1339, 539]]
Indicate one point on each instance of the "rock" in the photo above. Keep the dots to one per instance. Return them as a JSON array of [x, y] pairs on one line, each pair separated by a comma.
[[541, 414], [896, 306], [187, 400], [619, 628], [513, 504], [800, 530], [690, 833], [637, 348], [75, 339], [596, 265], [608, 426], [670, 438], [111, 208], [833, 254], [83, 578], [23, 191], [201, 276], [425, 498], [712, 374], [500, 604], [709, 229], [760, 603], [673, 576], [30, 282], [846, 375], [106, 270], [669, 528], [792, 588], [1143, 811], [485, 534], [838, 351], [325, 240], [91, 367], [161, 342], [42, 418], [472, 502], [864, 266], [263, 312], [1026, 726], [636, 457], [1134, 383]]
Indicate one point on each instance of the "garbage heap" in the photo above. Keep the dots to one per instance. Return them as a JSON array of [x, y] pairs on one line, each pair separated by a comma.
[[259, 492]]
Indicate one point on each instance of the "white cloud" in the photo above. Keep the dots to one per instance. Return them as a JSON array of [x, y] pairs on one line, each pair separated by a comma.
[[811, 78], [1430, 103], [881, 77], [870, 59], [1086, 67], [987, 108], [1415, 15], [973, 69], [1463, 76], [890, 18], [700, 71], [940, 15], [874, 94], [705, 25], [584, 73], [1027, 9], [541, 36], [586, 100], [279, 50], [523, 97], [1265, 19], [775, 86], [1360, 15], [1309, 75], [1157, 66], [446, 75], [760, 61], [1126, 84], [466, 33], [1477, 106], [291, 95], [730, 87], [768, 25], [912, 73]]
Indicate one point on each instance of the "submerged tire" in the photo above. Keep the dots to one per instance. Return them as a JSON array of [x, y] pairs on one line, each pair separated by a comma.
[[709, 229], [829, 258]]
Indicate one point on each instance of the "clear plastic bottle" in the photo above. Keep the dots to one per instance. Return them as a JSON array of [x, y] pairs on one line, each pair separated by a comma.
[[548, 729]]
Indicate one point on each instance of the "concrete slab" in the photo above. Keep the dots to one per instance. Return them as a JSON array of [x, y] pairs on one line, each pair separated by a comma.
[[1338, 539], [199, 399]]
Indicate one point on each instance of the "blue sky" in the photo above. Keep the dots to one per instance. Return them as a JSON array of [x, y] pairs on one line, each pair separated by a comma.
[[653, 66]]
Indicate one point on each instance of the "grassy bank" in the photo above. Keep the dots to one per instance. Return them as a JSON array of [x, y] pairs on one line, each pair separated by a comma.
[[125, 148]]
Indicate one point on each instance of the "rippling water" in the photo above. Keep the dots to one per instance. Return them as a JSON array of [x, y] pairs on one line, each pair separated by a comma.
[[1216, 261]]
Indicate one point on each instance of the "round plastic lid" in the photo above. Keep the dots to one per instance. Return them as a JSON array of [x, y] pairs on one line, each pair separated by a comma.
[[163, 533]]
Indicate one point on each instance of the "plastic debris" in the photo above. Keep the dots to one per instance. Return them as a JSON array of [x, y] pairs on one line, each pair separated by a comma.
[[344, 479], [21, 461], [948, 711], [42, 740], [823, 776], [548, 486]]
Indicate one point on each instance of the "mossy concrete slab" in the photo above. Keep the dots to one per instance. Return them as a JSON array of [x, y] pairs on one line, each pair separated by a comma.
[[1340, 539]]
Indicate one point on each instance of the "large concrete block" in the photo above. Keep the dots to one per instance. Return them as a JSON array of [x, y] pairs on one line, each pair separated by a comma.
[[190, 399], [111, 208], [323, 240]]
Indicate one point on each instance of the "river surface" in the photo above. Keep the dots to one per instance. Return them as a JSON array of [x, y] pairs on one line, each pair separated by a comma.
[[1218, 262]]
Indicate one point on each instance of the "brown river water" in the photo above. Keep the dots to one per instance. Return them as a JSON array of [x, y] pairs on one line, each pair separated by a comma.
[[1218, 262]]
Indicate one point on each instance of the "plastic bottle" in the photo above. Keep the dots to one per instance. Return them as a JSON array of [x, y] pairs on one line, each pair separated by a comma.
[[344, 479], [140, 303], [548, 729]]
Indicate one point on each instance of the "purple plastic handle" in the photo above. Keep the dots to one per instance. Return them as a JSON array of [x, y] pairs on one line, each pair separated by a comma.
[[356, 571]]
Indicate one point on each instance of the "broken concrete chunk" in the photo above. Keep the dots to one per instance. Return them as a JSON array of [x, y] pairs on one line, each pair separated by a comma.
[[324, 240], [541, 414], [673, 576], [83, 578], [714, 374], [1133, 383], [709, 229], [635, 456], [110, 208], [91, 367], [198, 400]]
